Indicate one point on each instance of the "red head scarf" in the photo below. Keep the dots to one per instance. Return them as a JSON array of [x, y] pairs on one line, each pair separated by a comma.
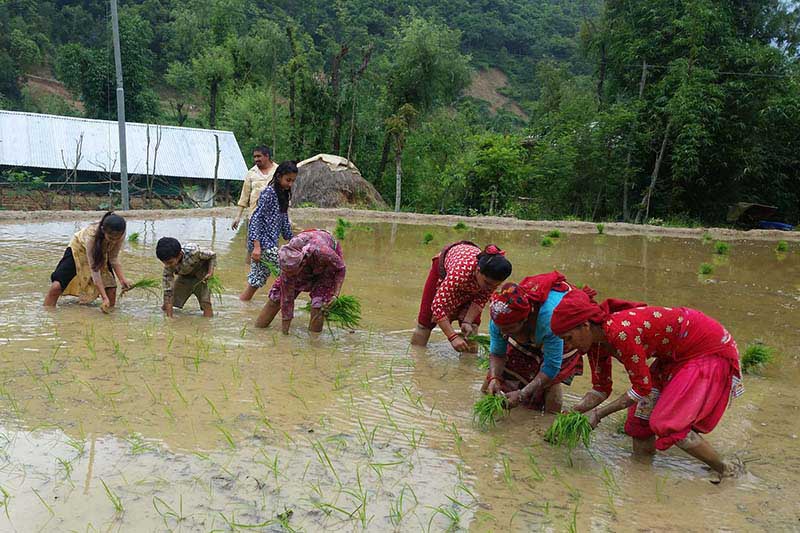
[[576, 308], [512, 304], [515, 302]]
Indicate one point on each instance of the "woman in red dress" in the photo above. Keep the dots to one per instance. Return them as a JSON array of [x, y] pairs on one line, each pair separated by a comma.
[[461, 279], [683, 393]]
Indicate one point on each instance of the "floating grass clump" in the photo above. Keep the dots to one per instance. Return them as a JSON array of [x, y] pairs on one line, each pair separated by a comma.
[[721, 247], [554, 234], [783, 246], [344, 311], [706, 269], [570, 430], [547, 242], [488, 410], [340, 231], [427, 237], [460, 226], [133, 237], [601, 228], [756, 356]]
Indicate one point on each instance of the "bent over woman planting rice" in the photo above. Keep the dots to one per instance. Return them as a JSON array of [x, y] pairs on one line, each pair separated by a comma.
[[312, 261], [527, 361], [461, 279], [683, 393], [89, 264]]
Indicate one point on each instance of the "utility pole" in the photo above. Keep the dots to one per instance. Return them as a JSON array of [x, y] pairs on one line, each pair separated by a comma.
[[123, 156]]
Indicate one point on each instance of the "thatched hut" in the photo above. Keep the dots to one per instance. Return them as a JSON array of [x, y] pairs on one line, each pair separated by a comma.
[[331, 181]]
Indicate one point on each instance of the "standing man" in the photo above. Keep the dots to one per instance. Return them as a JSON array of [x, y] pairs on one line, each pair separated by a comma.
[[254, 181]]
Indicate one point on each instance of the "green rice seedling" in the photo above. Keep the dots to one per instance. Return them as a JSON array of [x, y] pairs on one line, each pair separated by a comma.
[[508, 475], [215, 286], [274, 271], [67, 466], [46, 505], [488, 410], [721, 247], [148, 284], [414, 438], [360, 494], [460, 226], [133, 237], [397, 509], [782, 246], [707, 237], [482, 341], [572, 527], [378, 467], [340, 231], [533, 465], [554, 234], [706, 269], [4, 502], [427, 237], [570, 430], [452, 516], [116, 501], [227, 434], [547, 242], [366, 437], [601, 228], [756, 356], [166, 512], [344, 312], [414, 399]]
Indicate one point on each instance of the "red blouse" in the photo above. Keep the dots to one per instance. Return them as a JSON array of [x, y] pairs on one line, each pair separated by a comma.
[[459, 287], [671, 335]]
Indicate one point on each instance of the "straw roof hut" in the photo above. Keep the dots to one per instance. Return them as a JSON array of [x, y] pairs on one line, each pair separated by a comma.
[[331, 181]]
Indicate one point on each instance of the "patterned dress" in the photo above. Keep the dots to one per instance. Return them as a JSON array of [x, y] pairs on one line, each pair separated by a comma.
[[451, 296], [267, 224], [82, 285], [694, 374], [322, 270]]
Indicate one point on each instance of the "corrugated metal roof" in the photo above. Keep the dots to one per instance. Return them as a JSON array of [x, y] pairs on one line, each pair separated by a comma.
[[40, 141]]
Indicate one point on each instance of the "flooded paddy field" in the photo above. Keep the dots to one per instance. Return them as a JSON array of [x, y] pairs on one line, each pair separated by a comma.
[[134, 422]]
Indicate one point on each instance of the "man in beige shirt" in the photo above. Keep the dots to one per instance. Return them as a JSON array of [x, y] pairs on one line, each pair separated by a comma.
[[254, 181]]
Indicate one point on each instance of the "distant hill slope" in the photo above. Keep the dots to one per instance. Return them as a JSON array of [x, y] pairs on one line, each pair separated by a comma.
[[485, 86]]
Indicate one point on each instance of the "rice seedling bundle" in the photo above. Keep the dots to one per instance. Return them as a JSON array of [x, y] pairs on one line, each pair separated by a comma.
[[273, 270], [460, 226], [601, 228], [427, 237], [721, 247], [756, 356], [782, 246], [488, 410], [340, 231], [344, 311], [547, 242], [133, 237], [554, 234], [215, 286], [149, 284], [482, 341], [570, 430], [706, 269]]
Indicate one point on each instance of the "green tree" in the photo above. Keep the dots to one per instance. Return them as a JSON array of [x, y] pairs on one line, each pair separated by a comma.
[[214, 66]]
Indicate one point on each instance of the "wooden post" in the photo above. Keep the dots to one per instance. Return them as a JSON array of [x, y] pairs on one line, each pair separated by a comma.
[[216, 169]]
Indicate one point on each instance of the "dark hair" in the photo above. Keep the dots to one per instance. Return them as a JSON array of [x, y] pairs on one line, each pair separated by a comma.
[[167, 248], [263, 149], [284, 195], [493, 264], [109, 222]]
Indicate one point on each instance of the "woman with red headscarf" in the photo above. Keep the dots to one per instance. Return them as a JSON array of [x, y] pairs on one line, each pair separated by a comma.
[[683, 393], [461, 279], [527, 362], [311, 261]]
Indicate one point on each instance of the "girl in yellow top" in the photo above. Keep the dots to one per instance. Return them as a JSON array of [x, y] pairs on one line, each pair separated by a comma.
[[89, 264]]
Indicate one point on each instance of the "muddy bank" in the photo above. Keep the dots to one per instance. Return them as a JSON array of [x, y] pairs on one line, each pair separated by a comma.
[[484, 222]]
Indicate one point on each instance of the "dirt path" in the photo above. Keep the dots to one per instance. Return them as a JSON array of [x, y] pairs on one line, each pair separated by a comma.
[[485, 222]]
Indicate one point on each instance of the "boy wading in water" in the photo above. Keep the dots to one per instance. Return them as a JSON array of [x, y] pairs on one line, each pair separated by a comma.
[[186, 271], [87, 269]]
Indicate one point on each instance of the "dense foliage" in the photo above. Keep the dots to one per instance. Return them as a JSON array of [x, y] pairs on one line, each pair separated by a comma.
[[667, 109]]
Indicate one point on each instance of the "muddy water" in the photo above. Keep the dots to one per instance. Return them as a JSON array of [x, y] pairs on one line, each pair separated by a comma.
[[131, 422]]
